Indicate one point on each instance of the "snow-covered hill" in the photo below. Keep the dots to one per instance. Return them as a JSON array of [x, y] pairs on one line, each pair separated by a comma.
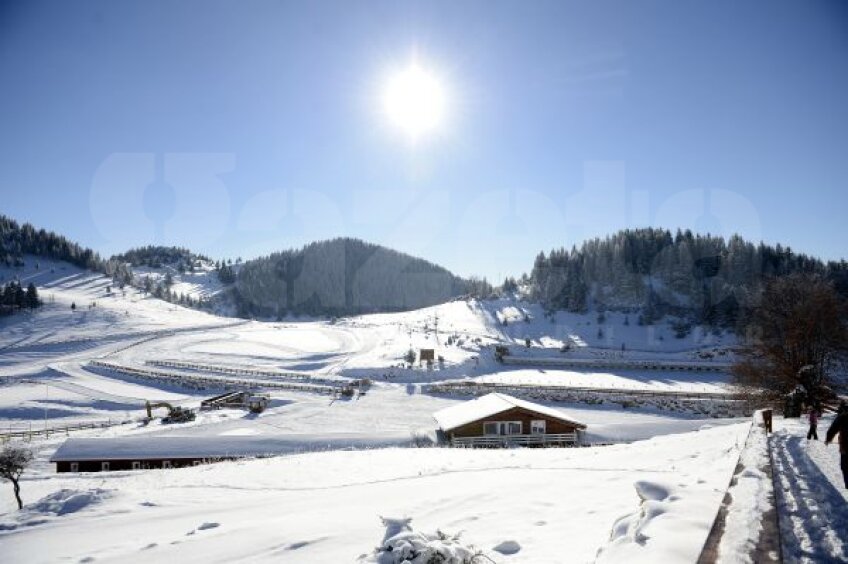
[[289, 507]]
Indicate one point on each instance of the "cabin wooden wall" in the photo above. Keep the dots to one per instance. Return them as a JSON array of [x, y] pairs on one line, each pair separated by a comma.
[[552, 426]]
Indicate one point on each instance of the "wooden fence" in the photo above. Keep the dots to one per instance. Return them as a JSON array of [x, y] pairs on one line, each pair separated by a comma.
[[511, 440], [200, 382], [246, 371], [627, 364], [30, 432], [477, 388]]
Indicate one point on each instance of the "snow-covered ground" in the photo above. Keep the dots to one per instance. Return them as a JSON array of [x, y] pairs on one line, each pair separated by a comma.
[[647, 501], [624, 380], [589, 335], [811, 497], [666, 477]]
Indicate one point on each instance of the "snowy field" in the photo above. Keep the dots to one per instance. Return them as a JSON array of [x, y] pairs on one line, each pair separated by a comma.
[[320, 505], [640, 502], [623, 380]]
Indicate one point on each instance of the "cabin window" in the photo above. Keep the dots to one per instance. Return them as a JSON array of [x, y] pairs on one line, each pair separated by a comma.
[[537, 427], [74, 466], [104, 466], [502, 427], [136, 465], [166, 464]]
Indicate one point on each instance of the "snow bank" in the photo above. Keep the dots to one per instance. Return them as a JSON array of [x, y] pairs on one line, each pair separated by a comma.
[[751, 493], [669, 525], [62, 502], [67, 501]]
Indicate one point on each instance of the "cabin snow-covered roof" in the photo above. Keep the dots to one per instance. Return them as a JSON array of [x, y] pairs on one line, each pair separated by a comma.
[[197, 447], [492, 404]]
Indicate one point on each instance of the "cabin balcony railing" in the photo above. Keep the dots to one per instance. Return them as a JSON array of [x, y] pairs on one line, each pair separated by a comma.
[[515, 440]]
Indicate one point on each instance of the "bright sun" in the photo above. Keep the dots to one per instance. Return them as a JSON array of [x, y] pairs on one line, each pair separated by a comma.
[[414, 100]]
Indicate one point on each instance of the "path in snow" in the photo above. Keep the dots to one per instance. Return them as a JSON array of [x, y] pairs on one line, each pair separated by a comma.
[[811, 498]]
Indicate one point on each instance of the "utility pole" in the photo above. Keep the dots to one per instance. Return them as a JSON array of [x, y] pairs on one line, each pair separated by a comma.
[[436, 326]]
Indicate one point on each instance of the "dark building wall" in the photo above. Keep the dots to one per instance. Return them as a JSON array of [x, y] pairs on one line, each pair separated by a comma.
[[552, 426], [118, 465]]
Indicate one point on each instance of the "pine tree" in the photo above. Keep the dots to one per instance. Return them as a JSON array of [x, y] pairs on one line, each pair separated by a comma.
[[32, 300]]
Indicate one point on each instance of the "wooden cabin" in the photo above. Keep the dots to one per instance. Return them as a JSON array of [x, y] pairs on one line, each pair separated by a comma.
[[497, 420]]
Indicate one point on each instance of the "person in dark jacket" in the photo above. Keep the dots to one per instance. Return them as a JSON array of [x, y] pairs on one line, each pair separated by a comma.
[[840, 427], [813, 417]]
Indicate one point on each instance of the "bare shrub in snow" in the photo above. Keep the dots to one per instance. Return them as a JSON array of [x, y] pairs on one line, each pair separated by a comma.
[[422, 440], [14, 459], [402, 545]]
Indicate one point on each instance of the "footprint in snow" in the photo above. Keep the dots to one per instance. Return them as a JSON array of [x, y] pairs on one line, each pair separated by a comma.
[[507, 547], [203, 527]]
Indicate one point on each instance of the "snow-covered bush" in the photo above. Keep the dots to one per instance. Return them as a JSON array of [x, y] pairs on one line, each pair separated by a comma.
[[402, 545], [422, 439]]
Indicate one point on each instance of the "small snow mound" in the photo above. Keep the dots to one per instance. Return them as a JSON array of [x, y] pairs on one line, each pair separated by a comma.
[[652, 490], [67, 501], [402, 545], [630, 530], [61, 502], [507, 547]]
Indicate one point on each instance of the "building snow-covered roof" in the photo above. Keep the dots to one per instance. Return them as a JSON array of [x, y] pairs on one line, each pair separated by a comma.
[[197, 447], [492, 404]]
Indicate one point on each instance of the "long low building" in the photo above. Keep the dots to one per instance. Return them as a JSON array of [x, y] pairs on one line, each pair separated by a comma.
[[146, 452]]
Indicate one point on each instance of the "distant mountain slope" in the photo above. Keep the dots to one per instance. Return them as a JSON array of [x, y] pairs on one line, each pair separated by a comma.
[[18, 240], [178, 275], [345, 276], [705, 278]]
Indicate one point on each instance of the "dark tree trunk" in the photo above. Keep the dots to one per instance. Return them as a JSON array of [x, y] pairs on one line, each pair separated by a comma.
[[17, 489]]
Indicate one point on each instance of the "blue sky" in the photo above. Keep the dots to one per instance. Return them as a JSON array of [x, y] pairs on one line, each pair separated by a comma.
[[239, 128]]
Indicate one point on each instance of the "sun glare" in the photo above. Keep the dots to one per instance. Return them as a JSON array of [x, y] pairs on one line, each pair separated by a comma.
[[414, 101]]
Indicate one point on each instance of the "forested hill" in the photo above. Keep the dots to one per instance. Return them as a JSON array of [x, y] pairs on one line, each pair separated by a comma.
[[155, 256], [706, 278], [345, 276], [18, 240]]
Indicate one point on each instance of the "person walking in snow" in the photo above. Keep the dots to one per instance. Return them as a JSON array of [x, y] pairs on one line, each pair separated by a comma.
[[813, 417], [840, 427]]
